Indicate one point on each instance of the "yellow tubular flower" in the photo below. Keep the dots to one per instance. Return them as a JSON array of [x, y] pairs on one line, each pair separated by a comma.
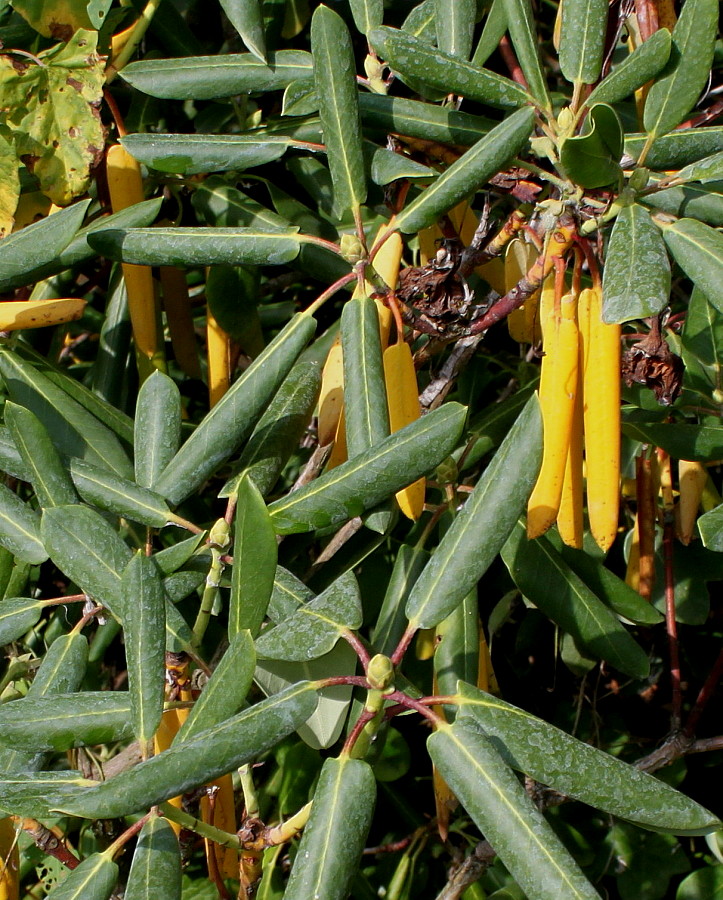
[[224, 817], [692, 478], [570, 517], [521, 321], [218, 344], [9, 861]]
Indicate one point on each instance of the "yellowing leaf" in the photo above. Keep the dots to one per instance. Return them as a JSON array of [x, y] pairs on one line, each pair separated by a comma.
[[54, 18]]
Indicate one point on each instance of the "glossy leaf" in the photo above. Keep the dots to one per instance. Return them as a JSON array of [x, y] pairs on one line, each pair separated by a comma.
[[367, 14], [546, 580], [288, 594], [316, 626], [191, 154], [118, 495], [73, 430], [454, 23], [33, 795], [234, 416], [214, 77], [679, 148], [20, 528], [156, 867], [422, 120], [18, 615], [93, 879], [636, 280], [49, 476], [582, 39], [456, 656], [696, 201], [592, 159], [521, 25], [698, 250], [11, 461], [255, 555], [693, 442], [211, 753], [369, 478], [413, 58], [503, 812], [482, 526], [246, 16], [335, 835], [702, 343], [63, 721], [408, 565], [157, 430], [635, 70], [710, 526], [224, 693], [144, 632], [469, 172], [579, 770], [676, 90], [708, 169], [335, 80]]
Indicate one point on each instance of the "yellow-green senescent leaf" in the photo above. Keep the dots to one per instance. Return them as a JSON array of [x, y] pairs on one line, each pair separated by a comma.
[[698, 250], [9, 182], [582, 39], [53, 19], [504, 813], [335, 80]]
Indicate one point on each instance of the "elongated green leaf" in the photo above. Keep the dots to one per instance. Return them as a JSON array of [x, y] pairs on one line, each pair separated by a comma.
[[211, 753], [679, 148], [456, 656], [582, 39], [144, 632], [367, 14], [710, 526], [197, 246], [334, 837], [708, 169], [73, 430], [521, 25], [278, 431], [225, 692], [20, 528], [335, 80], [93, 879], [636, 281], [469, 172], [492, 33], [392, 620], [413, 58], [177, 555], [63, 721], [118, 495], [675, 92], [698, 250], [315, 627], [635, 70], [579, 770], [288, 595], [592, 159], [191, 154], [365, 394], [371, 477], [694, 442], [10, 459], [255, 555], [38, 244], [696, 201], [454, 24], [156, 867], [422, 120], [157, 431], [213, 77], [234, 416], [247, 18], [32, 795], [702, 343], [503, 812], [548, 582], [17, 615], [49, 476], [482, 526]]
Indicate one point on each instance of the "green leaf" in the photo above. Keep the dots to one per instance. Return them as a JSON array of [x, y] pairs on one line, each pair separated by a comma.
[[279, 430], [457, 651], [172, 558], [225, 692], [694, 442], [415, 59], [191, 154], [521, 25], [93, 879], [255, 555], [74, 431], [334, 837], [454, 24], [28, 794], [197, 246], [371, 477], [246, 16], [367, 14], [144, 633], [335, 80], [703, 884], [492, 33], [482, 526], [708, 169], [18, 615], [392, 620], [38, 244], [679, 148], [592, 159], [503, 812], [696, 201], [20, 528], [710, 526], [422, 120], [63, 721], [387, 166], [156, 867], [316, 626], [636, 69], [546, 580], [119, 496], [582, 39], [212, 753], [63, 667], [289, 593], [579, 770], [698, 250], [473, 169], [702, 343], [51, 109], [636, 280], [214, 77], [675, 92], [157, 430], [11, 461], [234, 416], [49, 476]]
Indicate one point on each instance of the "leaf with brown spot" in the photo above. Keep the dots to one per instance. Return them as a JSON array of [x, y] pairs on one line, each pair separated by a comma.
[[9, 183], [55, 18]]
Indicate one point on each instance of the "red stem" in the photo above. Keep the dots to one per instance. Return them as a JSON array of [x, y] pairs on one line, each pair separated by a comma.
[[403, 645], [671, 625], [359, 648]]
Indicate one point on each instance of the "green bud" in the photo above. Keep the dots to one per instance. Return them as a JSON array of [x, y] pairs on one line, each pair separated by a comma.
[[351, 248], [219, 534], [380, 672]]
